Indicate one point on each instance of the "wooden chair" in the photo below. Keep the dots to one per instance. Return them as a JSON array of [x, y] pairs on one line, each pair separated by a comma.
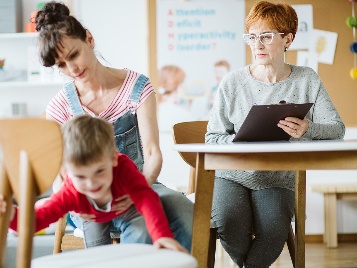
[[64, 241], [194, 132], [31, 158]]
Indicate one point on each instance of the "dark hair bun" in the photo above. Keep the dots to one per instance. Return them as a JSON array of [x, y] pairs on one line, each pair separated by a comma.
[[51, 13]]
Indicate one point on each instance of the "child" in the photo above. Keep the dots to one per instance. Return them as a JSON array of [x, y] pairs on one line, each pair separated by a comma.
[[96, 175]]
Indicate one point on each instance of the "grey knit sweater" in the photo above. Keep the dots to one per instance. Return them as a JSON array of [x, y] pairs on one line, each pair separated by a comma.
[[238, 91]]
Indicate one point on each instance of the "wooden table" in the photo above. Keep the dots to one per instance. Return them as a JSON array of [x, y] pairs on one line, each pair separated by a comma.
[[298, 156]]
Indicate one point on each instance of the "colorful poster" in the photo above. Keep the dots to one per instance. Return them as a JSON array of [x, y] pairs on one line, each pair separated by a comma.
[[323, 44], [198, 42]]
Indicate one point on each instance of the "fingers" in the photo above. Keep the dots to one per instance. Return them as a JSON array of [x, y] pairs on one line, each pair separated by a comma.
[[169, 243], [121, 204], [85, 217], [181, 248], [295, 127], [123, 197], [2, 205], [292, 130], [121, 208]]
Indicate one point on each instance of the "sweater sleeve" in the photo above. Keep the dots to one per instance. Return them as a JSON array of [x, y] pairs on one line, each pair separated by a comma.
[[325, 121], [144, 198]]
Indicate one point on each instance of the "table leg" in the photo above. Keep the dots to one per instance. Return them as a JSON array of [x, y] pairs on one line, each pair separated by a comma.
[[331, 220], [325, 236], [300, 212], [202, 212]]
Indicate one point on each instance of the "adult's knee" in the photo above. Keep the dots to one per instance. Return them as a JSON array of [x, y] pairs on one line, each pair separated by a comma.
[[178, 208]]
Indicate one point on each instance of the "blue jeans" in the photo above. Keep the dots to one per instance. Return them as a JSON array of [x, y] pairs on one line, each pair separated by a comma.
[[239, 211], [131, 224], [179, 212]]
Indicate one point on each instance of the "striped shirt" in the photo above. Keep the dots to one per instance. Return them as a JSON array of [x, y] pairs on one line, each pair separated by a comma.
[[59, 109]]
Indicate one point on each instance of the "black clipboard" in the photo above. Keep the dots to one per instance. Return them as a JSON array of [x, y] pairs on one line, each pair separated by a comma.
[[261, 121]]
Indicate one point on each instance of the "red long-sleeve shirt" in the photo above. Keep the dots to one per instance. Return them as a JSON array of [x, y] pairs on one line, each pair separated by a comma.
[[127, 179]]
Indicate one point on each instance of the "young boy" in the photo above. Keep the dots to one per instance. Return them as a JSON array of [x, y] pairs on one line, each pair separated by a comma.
[[96, 174]]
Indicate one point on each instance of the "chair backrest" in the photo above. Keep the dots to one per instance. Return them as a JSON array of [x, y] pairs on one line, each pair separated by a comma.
[[31, 150], [41, 140], [190, 132]]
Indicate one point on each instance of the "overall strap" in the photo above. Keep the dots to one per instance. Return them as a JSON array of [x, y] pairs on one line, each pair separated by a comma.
[[73, 99], [138, 88]]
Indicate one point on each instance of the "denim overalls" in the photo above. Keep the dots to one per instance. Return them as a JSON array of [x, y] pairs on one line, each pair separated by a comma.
[[126, 128]]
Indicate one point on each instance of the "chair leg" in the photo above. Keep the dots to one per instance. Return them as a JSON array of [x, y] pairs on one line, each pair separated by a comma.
[[26, 224], [291, 245], [59, 233], [5, 190], [115, 240], [212, 248], [192, 181]]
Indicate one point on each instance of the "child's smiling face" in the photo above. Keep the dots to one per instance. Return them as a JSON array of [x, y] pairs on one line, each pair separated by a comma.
[[93, 180]]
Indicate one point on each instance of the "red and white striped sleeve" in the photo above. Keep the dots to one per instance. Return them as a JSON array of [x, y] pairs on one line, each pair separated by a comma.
[[58, 108]]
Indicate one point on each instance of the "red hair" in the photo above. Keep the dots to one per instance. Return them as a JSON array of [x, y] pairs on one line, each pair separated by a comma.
[[281, 17]]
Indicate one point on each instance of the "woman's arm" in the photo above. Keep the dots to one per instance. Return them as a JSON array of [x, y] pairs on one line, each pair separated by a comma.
[[325, 122], [149, 132]]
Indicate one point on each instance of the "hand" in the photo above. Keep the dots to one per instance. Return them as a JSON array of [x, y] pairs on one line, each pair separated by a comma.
[[3, 206], [169, 243], [121, 204], [82, 216], [295, 127]]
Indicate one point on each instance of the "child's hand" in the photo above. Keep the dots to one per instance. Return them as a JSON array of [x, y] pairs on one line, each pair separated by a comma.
[[82, 216], [169, 243], [3, 206]]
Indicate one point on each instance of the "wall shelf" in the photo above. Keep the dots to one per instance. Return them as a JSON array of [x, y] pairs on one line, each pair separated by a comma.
[[10, 36], [24, 84]]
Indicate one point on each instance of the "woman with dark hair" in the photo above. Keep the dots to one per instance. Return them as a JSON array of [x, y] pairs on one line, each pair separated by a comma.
[[123, 97], [262, 202]]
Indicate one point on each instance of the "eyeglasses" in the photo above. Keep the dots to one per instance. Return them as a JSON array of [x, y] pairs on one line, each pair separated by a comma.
[[264, 38]]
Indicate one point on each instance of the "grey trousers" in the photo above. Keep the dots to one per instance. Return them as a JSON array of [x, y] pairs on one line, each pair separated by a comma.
[[239, 212]]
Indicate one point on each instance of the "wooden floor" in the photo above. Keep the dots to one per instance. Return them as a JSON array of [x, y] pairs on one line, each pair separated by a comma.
[[317, 256]]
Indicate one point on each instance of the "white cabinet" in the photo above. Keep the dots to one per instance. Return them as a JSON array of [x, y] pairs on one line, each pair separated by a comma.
[[13, 48], [20, 53], [15, 87]]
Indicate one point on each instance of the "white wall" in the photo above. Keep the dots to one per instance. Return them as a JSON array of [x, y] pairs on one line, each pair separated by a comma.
[[346, 210], [120, 31]]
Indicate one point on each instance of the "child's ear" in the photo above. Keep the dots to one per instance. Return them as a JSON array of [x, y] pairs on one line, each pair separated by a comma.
[[115, 158]]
